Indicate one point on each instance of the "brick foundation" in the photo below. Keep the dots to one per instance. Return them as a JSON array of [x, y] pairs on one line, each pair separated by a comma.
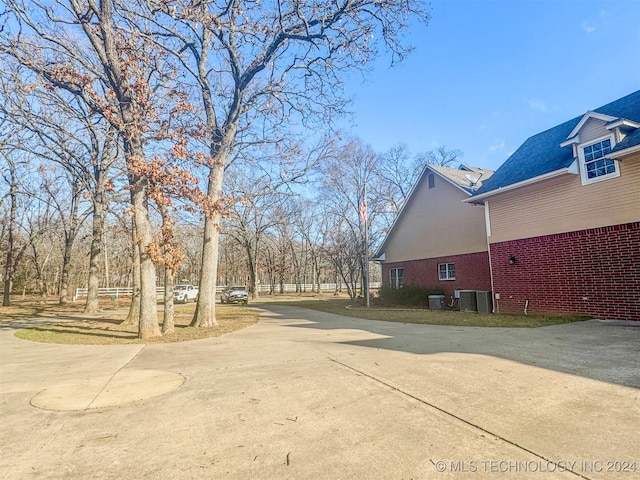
[[472, 272], [592, 272]]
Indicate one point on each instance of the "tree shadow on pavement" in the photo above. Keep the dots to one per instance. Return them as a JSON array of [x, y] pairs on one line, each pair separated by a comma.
[[600, 350]]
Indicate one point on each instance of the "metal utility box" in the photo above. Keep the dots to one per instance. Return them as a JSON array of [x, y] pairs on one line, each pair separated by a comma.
[[468, 301], [436, 302], [484, 301]]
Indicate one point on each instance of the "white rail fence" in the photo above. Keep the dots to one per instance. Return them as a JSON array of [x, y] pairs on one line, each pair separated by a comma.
[[116, 292]]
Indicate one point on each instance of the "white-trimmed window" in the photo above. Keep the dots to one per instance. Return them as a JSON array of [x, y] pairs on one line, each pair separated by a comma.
[[595, 165], [396, 277], [446, 271]]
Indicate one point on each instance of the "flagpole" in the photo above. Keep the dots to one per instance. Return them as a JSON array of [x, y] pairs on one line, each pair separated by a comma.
[[366, 248]]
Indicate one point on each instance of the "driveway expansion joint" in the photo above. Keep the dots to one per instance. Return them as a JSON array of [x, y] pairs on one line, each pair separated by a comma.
[[89, 406], [454, 416]]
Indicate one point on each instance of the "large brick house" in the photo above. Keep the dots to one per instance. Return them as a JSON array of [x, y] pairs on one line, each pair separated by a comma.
[[436, 239], [563, 218]]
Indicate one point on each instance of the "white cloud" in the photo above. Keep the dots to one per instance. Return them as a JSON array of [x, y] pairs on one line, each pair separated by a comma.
[[497, 146], [537, 105], [588, 27]]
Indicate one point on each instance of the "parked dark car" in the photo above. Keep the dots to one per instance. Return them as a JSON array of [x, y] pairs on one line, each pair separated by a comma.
[[234, 295]]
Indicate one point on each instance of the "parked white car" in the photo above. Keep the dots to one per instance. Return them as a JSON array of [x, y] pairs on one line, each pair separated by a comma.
[[185, 293]]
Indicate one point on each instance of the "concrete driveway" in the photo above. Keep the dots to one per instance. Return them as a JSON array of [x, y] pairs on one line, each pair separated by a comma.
[[304, 394]]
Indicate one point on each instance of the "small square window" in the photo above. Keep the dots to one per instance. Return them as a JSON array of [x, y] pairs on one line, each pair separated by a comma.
[[446, 271], [396, 277]]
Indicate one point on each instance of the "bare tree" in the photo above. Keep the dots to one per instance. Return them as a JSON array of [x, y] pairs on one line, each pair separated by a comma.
[[344, 184], [10, 176], [257, 69], [70, 219], [66, 133], [40, 225], [233, 261], [395, 175], [251, 216], [306, 220], [441, 156], [120, 75], [343, 253], [261, 66]]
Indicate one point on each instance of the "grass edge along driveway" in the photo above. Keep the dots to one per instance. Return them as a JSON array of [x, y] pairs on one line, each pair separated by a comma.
[[342, 306], [108, 331]]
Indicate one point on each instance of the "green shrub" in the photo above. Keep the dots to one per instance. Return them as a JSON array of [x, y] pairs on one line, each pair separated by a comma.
[[408, 295]]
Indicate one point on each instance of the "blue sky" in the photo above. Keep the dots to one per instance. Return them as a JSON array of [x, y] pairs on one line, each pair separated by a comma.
[[486, 75]]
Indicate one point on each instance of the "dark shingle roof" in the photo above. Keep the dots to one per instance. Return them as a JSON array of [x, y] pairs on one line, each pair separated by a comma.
[[631, 140], [542, 154]]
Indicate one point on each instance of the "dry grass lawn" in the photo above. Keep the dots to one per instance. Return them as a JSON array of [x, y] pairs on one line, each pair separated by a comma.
[[342, 306], [106, 328], [69, 326]]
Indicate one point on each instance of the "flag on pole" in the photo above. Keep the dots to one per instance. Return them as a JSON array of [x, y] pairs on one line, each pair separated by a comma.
[[363, 210]]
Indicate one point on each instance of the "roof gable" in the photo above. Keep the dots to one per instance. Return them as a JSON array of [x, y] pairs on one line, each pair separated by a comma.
[[466, 178], [588, 116], [549, 151]]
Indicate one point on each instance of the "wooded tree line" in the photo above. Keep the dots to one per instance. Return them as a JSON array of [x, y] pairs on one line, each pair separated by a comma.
[[145, 142]]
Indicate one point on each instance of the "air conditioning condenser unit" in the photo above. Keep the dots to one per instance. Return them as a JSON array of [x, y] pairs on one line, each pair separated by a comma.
[[468, 301]]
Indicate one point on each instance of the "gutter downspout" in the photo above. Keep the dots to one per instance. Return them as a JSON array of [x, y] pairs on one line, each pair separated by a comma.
[[487, 221]]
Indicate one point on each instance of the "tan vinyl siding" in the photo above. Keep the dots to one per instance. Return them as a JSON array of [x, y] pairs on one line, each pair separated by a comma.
[[592, 130], [435, 223], [563, 204]]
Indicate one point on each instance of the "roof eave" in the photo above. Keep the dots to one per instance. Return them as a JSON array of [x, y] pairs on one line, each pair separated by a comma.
[[570, 141], [379, 257], [622, 123], [622, 153], [572, 169]]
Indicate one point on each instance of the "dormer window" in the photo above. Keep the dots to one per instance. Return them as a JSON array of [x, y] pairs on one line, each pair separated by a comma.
[[594, 162]]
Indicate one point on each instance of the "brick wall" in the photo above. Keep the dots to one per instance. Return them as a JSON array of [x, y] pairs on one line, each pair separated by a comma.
[[592, 272], [472, 272]]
